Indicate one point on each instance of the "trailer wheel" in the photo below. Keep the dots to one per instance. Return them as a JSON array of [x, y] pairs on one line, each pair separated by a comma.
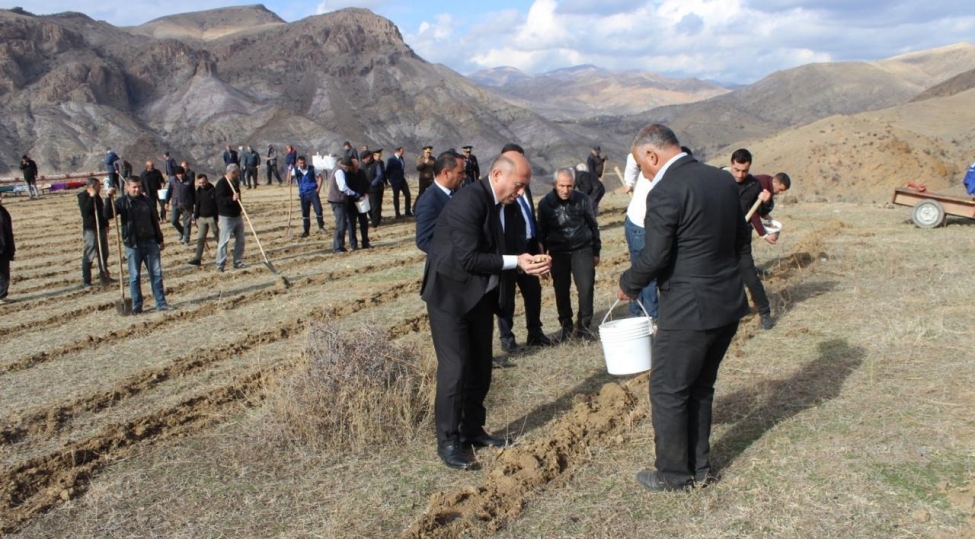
[[928, 214]]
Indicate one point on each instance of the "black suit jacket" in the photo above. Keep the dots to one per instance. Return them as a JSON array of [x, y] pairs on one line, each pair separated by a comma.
[[515, 228], [695, 232], [427, 211], [465, 252]]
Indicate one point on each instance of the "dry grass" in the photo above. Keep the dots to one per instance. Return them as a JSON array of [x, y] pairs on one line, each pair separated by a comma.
[[850, 419], [350, 391]]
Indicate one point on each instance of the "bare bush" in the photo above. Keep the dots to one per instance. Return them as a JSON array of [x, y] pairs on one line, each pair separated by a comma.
[[353, 390]]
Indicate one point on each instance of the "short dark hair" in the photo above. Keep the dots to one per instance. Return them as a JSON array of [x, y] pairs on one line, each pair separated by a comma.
[[179, 170], [93, 182], [446, 161], [783, 179], [134, 180], [302, 158], [201, 175], [24, 157], [512, 147], [741, 156]]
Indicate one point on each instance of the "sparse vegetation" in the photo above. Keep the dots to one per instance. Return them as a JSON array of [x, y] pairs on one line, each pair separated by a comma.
[[352, 390]]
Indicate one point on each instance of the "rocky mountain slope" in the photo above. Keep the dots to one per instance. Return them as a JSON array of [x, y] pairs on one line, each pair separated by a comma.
[[587, 91], [796, 97], [74, 86]]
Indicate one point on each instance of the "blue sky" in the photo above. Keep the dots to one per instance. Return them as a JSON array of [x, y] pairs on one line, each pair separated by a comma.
[[738, 41]]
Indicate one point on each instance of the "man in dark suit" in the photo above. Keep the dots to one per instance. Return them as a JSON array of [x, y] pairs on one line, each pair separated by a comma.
[[396, 172], [448, 175], [460, 286], [521, 237], [695, 233]]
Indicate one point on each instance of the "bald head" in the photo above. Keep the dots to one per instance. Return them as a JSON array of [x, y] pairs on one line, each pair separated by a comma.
[[510, 175]]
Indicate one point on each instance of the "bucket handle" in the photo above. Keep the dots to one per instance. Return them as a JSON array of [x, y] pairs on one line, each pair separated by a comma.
[[638, 302]]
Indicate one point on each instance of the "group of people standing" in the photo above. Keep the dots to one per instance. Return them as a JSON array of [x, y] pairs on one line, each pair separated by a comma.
[[690, 252]]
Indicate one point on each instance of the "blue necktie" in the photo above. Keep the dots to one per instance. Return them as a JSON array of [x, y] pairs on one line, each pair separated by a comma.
[[531, 218]]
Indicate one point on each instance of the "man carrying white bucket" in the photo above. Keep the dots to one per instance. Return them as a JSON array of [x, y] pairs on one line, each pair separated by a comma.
[[695, 232]]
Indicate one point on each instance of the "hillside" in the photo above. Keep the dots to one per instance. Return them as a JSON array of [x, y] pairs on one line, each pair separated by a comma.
[[863, 157], [587, 91], [955, 85], [328, 78], [796, 97], [210, 24]]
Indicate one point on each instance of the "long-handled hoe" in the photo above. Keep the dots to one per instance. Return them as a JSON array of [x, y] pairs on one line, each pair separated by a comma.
[[124, 306], [282, 281]]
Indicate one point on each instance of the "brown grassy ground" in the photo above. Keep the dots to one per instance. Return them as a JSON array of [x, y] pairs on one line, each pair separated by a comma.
[[851, 418]]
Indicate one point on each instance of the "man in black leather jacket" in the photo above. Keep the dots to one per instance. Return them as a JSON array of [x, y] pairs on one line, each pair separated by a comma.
[[567, 230]]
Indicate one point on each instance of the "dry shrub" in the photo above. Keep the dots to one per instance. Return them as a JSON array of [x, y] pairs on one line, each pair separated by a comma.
[[352, 390]]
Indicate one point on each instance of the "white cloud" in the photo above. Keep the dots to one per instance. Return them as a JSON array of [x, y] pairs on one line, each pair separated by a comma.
[[730, 40]]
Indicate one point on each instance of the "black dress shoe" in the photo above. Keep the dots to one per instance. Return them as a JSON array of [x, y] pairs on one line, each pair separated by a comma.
[[510, 346], [653, 482], [454, 457], [585, 334], [484, 439], [766, 321], [538, 340]]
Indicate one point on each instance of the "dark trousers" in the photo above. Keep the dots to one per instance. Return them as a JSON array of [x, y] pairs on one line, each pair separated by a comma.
[[567, 267], [376, 205], [113, 180], [308, 201], [272, 169], [463, 347], [405, 189], [182, 220], [162, 208], [685, 366], [340, 210], [424, 184], [4, 277], [250, 177], [531, 293], [363, 220], [749, 274]]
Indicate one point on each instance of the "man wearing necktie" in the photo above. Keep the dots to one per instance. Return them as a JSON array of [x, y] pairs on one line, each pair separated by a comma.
[[521, 236], [461, 281]]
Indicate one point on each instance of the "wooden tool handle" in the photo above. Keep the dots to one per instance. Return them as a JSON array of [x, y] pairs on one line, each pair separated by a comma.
[[754, 208]]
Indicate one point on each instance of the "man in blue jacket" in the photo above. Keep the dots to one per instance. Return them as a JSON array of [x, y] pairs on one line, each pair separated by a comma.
[[110, 159], [309, 184]]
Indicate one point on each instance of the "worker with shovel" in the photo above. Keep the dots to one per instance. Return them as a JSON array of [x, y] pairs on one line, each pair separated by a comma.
[[95, 234], [143, 240]]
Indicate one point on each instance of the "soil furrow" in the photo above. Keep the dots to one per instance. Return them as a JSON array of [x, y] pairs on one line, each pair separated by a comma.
[[521, 472], [53, 419], [208, 306]]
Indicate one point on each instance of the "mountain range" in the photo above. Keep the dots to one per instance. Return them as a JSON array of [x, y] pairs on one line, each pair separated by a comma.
[[192, 83]]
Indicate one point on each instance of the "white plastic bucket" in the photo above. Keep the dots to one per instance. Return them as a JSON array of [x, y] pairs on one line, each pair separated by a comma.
[[162, 193], [362, 205], [626, 343], [772, 226]]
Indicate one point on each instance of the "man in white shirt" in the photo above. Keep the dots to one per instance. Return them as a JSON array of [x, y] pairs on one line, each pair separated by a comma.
[[639, 186]]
